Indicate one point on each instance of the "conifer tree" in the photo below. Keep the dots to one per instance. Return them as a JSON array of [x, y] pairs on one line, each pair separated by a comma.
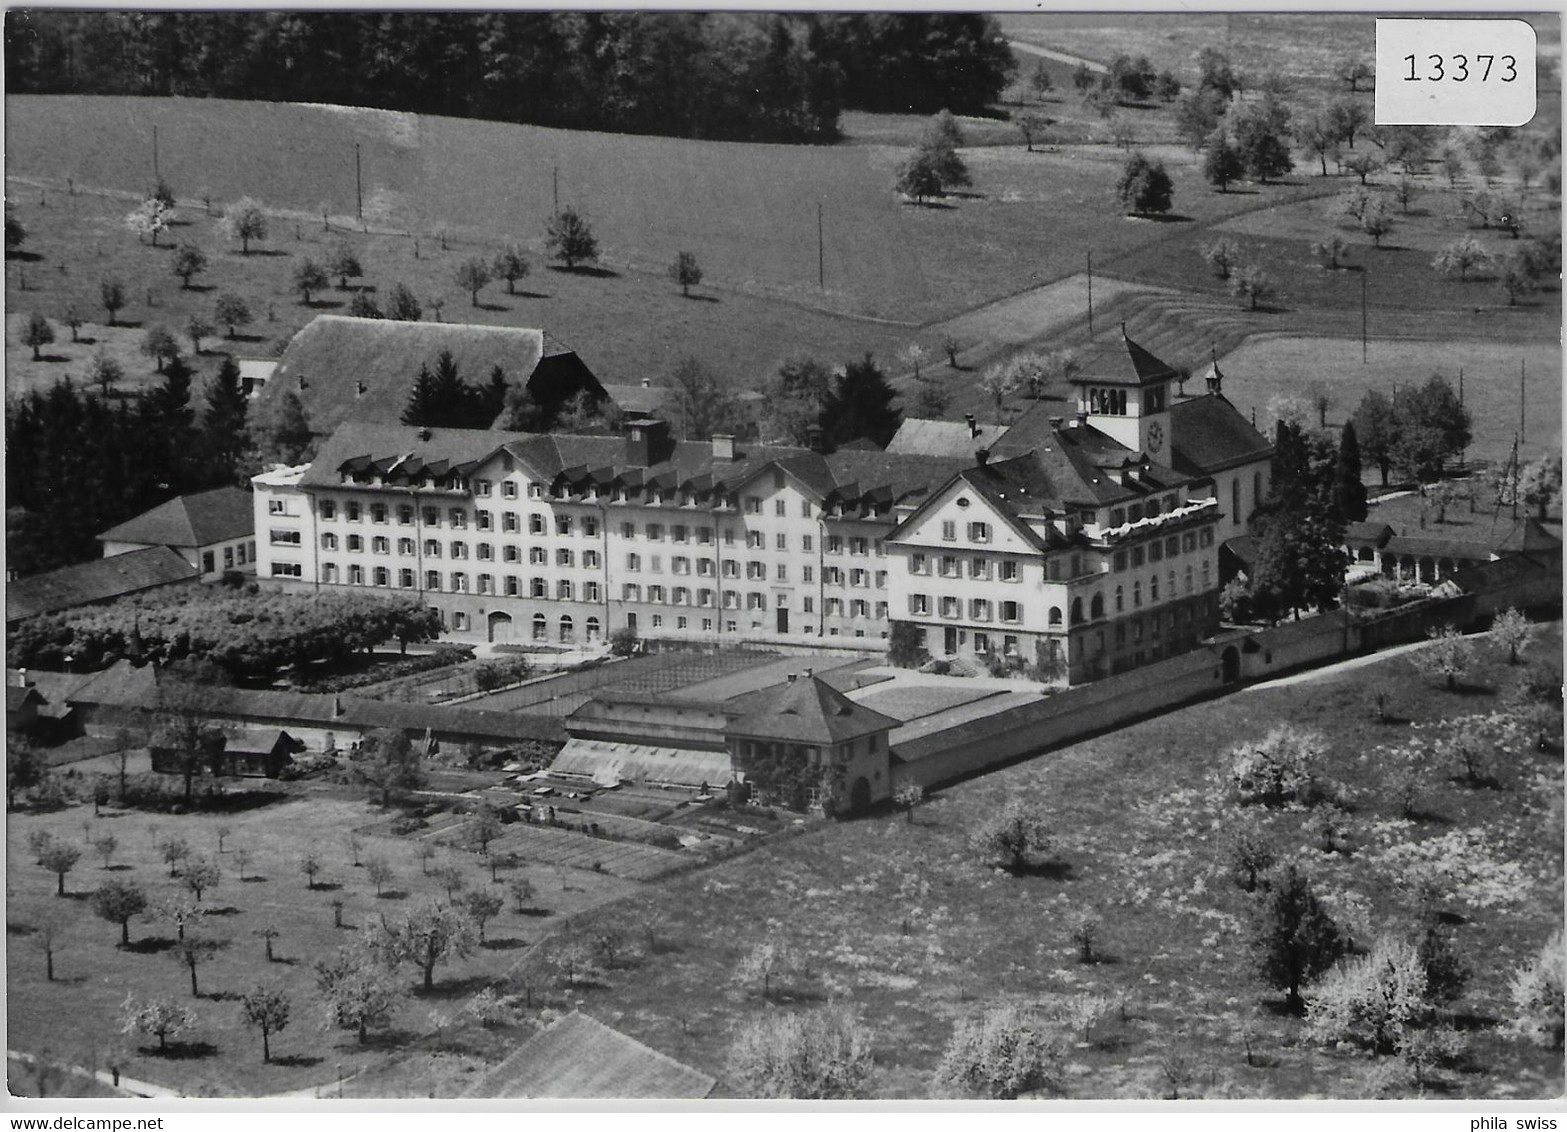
[[860, 404], [223, 423], [1348, 489]]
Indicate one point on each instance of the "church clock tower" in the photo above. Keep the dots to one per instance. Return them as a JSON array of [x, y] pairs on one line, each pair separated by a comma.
[[1125, 394]]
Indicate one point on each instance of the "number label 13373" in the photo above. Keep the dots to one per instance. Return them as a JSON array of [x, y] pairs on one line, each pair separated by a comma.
[[1455, 72]]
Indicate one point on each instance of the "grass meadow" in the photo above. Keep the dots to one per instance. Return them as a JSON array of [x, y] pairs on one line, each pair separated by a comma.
[[903, 923], [75, 1019]]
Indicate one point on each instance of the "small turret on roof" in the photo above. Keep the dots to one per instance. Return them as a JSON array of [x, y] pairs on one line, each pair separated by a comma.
[[806, 709]]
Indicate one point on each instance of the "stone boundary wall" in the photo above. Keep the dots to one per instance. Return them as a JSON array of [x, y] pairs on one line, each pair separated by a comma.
[[1222, 665]]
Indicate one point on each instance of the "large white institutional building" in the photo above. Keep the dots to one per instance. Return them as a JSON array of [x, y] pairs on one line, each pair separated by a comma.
[[1090, 543]]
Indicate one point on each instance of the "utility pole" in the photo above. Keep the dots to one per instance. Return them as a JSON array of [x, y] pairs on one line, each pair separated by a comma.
[[557, 190], [155, 175], [1520, 400], [821, 257], [359, 188], [1090, 296], [1363, 352]]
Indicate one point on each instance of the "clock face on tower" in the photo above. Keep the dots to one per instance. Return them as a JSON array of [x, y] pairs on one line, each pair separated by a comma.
[[1155, 437]]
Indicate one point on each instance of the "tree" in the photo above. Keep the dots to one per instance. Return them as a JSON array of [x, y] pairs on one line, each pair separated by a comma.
[[685, 272], [1450, 655], [1433, 427], [361, 305], [189, 261], [105, 846], [15, 231], [157, 343], [310, 865], [150, 218], [1223, 255], [1461, 257], [1031, 126], [769, 960], [1536, 991], [379, 872], [521, 889], [908, 795], [571, 240], [118, 901], [1000, 1053], [266, 1008], [1372, 1000], [231, 312], [223, 423], [511, 264], [191, 952], [1541, 484], [402, 305], [1223, 163], [1250, 282], [1377, 221], [1362, 165], [1377, 428], [1294, 938], [111, 296], [245, 221], [1279, 768], [823, 1054], [919, 176], [1197, 115], [343, 262], [1513, 631], [174, 850], [1316, 132], [1517, 277], [482, 906], [999, 382], [426, 935], [703, 400], [200, 874], [1010, 837], [1354, 71], [160, 1017], [1144, 187], [1404, 192], [241, 861], [390, 763], [356, 994], [50, 934], [1167, 86], [1329, 250], [860, 404], [1083, 78], [1349, 492], [73, 319], [177, 911], [1260, 131], [59, 859], [197, 328], [472, 275], [1040, 81], [1348, 117], [310, 277], [37, 333]]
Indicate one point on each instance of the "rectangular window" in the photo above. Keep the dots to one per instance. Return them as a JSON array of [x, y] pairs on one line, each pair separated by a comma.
[[918, 564], [834, 544], [949, 566], [486, 552], [405, 579], [378, 513], [782, 572], [458, 518], [677, 533], [432, 517], [979, 609], [630, 592], [731, 568], [508, 490], [919, 604], [535, 491], [356, 543], [1009, 572], [950, 607], [353, 512], [780, 541], [405, 546], [979, 532], [564, 557], [484, 520], [511, 553], [286, 538], [808, 605], [432, 579], [287, 570], [628, 530], [458, 550], [590, 559], [780, 508], [563, 524], [380, 545], [329, 541], [1119, 561], [1011, 611], [537, 588], [512, 588], [328, 508], [405, 515], [538, 556], [655, 593], [807, 574], [563, 590], [535, 524], [655, 532], [753, 505], [459, 582], [704, 567], [432, 548], [949, 530], [978, 568]]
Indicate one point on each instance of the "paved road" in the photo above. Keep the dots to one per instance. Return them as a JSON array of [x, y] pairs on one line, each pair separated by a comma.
[[1058, 56]]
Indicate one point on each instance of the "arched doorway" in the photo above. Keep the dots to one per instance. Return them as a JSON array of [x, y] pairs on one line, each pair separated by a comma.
[[500, 627], [1232, 665], [860, 796]]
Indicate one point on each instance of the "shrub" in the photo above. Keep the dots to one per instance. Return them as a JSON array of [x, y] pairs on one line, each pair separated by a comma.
[[1536, 991], [1371, 1000], [816, 1055], [1277, 768], [1009, 838], [999, 1054]]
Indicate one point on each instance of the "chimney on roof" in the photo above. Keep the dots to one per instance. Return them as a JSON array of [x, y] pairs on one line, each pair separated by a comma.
[[424, 434], [1081, 418], [647, 442], [815, 438], [973, 425], [982, 456], [723, 446], [647, 383], [807, 673], [21, 678], [791, 676], [1057, 422]]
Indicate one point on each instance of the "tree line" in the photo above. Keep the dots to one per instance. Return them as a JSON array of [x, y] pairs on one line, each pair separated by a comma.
[[78, 461], [724, 75]]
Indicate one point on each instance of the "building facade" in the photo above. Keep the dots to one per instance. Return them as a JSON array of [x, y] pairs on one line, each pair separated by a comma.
[[1069, 543]]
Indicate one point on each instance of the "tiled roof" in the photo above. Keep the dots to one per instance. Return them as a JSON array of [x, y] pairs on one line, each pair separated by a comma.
[[805, 710], [1528, 536], [335, 355], [1368, 532], [101, 580], [637, 398], [1208, 434], [202, 519], [1075, 462], [874, 477], [1128, 364], [18, 698], [579, 1057], [923, 437]]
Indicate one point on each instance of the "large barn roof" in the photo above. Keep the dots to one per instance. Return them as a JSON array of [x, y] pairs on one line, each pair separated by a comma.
[[101, 580], [190, 520]]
